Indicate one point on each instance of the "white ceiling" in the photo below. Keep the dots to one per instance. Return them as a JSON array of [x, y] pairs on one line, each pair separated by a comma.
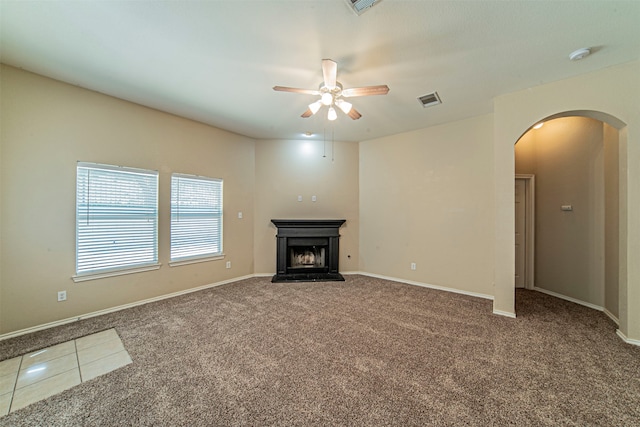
[[216, 61]]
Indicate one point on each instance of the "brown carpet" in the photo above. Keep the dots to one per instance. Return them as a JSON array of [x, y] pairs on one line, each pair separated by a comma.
[[361, 352]]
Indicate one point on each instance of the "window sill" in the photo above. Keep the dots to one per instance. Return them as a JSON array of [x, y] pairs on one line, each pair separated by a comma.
[[195, 260], [95, 276]]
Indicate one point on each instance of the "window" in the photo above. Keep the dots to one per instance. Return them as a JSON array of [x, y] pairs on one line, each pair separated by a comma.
[[116, 219], [196, 217]]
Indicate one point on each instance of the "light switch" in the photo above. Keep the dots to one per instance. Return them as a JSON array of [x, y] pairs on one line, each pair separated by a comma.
[[299, 198], [313, 198], [239, 215]]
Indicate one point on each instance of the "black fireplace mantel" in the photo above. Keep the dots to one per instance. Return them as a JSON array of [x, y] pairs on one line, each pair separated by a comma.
[[308, 223], [311, 233]]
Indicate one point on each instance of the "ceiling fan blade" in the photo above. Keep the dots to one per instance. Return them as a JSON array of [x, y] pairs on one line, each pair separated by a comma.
[[329, 73], [296, 90], [366, 91], [307, 113], [353, 113]]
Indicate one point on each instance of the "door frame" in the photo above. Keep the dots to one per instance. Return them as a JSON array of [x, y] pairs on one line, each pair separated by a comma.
[[530, 228]]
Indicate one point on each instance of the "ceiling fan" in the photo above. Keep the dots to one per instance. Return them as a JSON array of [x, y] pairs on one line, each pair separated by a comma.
[[331, 93]]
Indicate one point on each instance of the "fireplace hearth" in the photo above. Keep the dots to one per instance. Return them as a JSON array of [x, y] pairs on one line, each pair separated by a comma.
[[307, 250]]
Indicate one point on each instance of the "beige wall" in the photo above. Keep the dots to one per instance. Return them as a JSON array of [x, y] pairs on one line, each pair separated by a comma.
[[436, 184], [426, 197], [292, 168], [610, 95], [612, 217], [48, 126], [566, 156]]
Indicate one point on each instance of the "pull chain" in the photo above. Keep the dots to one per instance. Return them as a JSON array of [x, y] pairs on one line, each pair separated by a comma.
[[332, 145], [324, 143]]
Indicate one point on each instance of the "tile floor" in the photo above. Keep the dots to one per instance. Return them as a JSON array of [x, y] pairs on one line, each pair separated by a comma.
[[35, 376]]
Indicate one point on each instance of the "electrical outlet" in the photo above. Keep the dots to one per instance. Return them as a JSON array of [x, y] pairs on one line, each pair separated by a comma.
[[228, 264], [413, 265], [62, 296]]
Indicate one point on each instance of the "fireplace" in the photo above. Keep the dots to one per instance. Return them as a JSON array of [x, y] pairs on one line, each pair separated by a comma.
[[307, 250]]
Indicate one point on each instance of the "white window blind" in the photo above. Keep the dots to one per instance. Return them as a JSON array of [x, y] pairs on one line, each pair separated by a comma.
[[196, 217], [116, 218]]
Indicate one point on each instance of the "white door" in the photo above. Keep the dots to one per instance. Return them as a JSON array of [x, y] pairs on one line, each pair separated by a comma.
[[520, 240]]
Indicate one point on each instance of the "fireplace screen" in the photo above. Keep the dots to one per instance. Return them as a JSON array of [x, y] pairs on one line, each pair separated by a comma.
[[306, 257]]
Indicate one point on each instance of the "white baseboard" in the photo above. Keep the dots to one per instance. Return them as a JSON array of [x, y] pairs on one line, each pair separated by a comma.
[[611, 316], [425, 285], [263, 274], [504, 313], [236, 279], [117, 308], [627, 340], [440, 288], [566, 298], [212, 285], [577, 301]]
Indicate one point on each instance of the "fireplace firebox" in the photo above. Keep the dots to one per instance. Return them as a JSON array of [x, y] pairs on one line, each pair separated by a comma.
[[307, 250]]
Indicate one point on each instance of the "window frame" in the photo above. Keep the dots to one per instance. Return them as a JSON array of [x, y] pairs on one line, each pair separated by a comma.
[[151, 177], [205, 256]]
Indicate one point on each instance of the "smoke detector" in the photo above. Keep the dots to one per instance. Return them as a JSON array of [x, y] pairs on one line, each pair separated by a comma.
[[429, 99], [577, 55], [361, 6]]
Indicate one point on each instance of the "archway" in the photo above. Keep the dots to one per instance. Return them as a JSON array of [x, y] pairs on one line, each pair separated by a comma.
[[575, 160], [611, 94]]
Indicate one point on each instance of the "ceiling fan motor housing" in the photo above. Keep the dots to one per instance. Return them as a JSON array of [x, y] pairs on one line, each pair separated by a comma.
[[335, 93], [331, 93]]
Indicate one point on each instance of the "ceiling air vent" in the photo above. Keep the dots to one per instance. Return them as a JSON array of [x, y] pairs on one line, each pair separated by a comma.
[[429, 99], [361, 6]]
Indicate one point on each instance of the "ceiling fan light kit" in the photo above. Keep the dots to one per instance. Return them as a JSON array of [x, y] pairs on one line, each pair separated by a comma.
[[344, 105], [331, 93], [332, 115], [315, 107]]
